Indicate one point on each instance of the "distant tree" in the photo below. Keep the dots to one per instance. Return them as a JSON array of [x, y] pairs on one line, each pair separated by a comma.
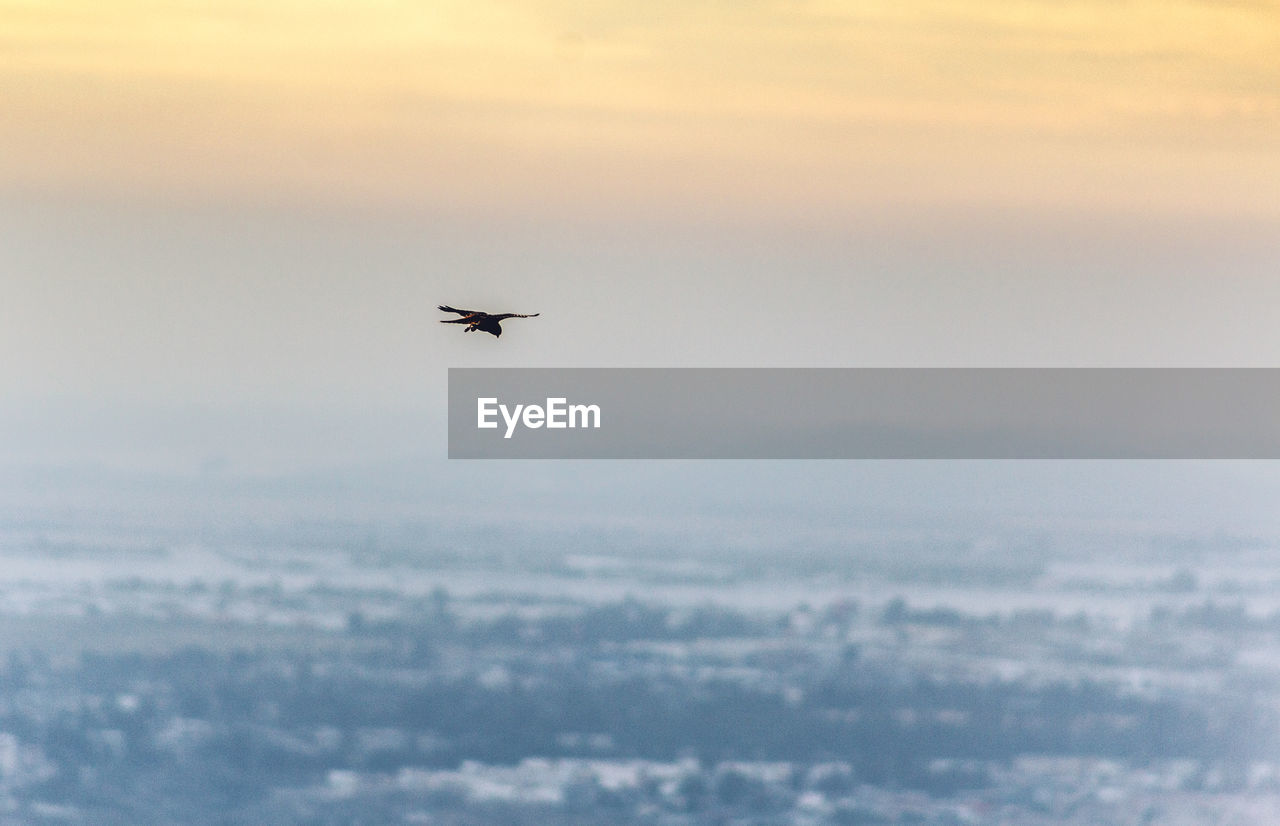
[[895, 612], [735, 789], [693, 791]]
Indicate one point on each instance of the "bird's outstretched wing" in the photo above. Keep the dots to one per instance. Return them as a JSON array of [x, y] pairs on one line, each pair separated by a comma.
[[449, 309], [516, 315], [456, 320]]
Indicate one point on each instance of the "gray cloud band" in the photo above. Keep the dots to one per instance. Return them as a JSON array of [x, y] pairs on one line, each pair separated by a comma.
[[889, 413]]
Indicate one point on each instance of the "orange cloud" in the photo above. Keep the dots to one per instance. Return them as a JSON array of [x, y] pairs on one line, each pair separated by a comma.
[[700, 106]]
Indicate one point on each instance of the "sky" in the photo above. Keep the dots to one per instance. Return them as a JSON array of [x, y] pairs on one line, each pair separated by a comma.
[[754, 110], [227, 224]]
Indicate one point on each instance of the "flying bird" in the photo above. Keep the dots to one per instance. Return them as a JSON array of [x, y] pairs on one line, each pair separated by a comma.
[[476, 320]]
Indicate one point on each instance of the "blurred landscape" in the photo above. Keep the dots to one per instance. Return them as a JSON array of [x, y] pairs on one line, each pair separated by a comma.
[[240, 584], [230, 651]]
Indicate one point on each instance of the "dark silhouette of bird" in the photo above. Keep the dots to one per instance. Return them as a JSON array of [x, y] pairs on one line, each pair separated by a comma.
[[477, 320]]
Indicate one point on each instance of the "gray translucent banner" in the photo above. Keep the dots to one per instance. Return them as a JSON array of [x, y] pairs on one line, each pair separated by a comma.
[[889, 413]]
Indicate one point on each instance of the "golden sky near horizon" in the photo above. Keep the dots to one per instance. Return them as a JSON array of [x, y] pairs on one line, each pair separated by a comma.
[[1013, 183], [731, 107]]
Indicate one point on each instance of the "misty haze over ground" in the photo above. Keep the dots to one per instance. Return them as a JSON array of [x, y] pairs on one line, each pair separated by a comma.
[[240, 583]]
